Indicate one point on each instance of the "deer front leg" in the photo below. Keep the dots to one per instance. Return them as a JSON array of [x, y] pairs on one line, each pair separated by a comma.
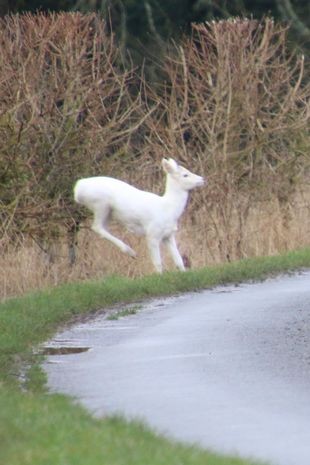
[[154, 249], [174, 252]]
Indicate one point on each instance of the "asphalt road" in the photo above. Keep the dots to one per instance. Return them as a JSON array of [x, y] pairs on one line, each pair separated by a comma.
[[228, 369]]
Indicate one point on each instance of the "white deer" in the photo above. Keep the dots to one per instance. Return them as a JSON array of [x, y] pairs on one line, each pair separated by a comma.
[[143, 213]]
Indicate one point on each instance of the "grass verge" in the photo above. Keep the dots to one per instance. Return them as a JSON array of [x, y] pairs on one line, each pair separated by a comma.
[[40, 429]]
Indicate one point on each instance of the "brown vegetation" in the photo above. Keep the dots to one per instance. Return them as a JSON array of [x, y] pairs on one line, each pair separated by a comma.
[[67, 111], [234, 107]]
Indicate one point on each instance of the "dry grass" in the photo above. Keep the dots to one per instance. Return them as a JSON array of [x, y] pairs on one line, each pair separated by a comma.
[[269, 229]]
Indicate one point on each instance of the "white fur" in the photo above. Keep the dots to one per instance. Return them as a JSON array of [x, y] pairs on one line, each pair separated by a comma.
[[141, 212]]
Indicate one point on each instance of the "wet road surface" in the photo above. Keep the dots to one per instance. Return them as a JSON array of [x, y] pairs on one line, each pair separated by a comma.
[[227, 368]]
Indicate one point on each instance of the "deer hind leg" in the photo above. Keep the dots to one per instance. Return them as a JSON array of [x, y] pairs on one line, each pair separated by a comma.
[[99, 226]]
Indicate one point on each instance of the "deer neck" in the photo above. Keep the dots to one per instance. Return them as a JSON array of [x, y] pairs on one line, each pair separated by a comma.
[[175, 198]]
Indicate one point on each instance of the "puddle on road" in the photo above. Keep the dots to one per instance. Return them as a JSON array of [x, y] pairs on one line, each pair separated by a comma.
[[63, 350]]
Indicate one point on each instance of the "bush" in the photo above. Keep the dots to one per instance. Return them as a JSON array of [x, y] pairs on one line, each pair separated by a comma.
[[236, 105], [67, 112], [236, 108]]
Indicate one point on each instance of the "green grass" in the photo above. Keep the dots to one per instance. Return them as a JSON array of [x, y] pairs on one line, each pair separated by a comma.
[[50, 430], [36, 428]]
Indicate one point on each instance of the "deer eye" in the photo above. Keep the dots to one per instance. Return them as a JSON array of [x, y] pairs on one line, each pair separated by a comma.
[[185, 175]]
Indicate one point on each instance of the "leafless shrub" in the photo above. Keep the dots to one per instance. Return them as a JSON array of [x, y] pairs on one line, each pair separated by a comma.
[[235, 108], [67, 111]]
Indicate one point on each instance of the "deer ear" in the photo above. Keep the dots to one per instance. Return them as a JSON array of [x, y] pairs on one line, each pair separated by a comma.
[[169, 165]]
